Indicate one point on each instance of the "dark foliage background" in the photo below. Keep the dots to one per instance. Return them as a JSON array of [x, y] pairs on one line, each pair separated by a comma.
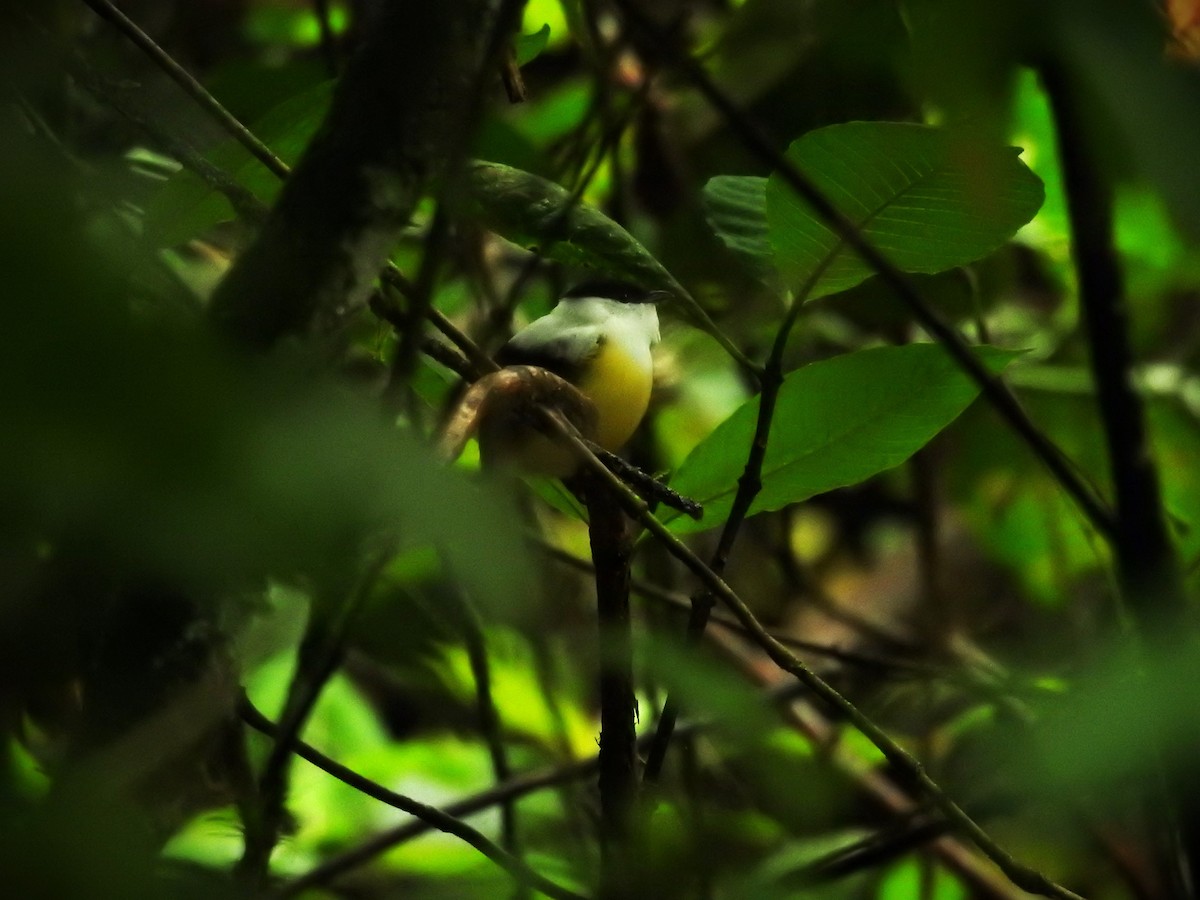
[[222, 512]]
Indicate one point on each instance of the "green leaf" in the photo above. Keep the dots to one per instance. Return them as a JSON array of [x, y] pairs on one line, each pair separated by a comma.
[[903, 881], [540, 215], [928, 199], [185, 206], [530, 46], [736, 209], [837, 422]]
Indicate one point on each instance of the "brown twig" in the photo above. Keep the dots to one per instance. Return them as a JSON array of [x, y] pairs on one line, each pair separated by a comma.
[[510, 75]]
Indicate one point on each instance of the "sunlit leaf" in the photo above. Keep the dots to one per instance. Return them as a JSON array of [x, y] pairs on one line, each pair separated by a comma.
[[836, 423], [903, 882], [1033, 131], [546, 14], [928, 199], [521, 703]]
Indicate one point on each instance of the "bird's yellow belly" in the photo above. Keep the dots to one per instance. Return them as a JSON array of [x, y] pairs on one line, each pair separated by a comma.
[[619, 385]]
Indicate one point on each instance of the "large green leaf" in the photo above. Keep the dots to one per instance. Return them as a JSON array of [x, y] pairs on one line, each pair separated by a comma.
[[539, 214], [736, 208], [837, 422], [929, 199]]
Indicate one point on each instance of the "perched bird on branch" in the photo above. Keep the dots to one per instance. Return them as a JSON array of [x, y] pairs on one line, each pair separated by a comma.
[[595, 345]]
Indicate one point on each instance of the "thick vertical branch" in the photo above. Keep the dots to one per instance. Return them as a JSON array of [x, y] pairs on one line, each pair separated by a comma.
[[396, 117], [1147, 571], [611, 550]]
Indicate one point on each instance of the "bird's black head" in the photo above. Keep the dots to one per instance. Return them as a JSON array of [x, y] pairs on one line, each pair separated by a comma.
[[612, 289]]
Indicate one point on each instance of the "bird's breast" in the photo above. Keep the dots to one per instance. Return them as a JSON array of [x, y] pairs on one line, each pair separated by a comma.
[[618, 382]]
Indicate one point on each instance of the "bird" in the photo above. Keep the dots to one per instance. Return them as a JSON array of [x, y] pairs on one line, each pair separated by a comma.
[[598, 338]]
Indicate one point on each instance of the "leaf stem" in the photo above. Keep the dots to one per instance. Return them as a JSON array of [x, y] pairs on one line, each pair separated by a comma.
[[749, 485]]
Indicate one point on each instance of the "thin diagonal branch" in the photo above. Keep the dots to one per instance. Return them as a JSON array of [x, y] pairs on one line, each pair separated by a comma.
[[429, 816], [194, 89], [518, 787]]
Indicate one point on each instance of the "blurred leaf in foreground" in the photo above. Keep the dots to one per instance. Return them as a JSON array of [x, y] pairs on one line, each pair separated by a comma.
[[153, 446]]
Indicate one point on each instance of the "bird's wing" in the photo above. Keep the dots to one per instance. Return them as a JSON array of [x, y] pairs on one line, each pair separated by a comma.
[[565, 352]]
